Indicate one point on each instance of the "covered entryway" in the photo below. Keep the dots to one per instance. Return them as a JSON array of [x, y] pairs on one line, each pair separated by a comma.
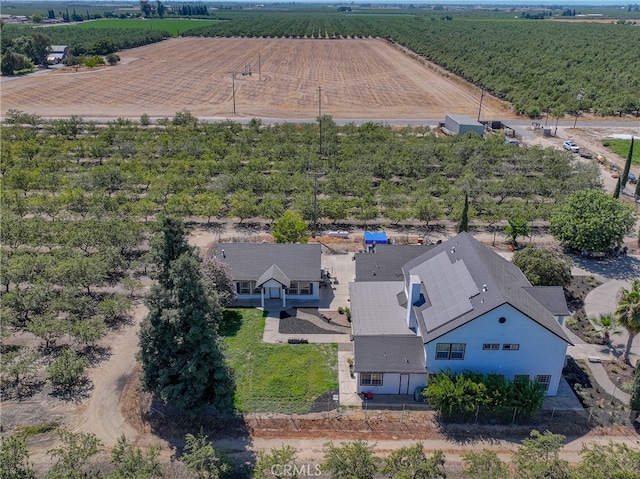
[[273, 283]]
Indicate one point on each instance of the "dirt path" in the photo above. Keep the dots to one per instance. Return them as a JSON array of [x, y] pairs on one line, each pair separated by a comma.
[[101, 414]]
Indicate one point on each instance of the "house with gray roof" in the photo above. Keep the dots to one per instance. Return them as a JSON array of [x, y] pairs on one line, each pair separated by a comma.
[[264, 271], [457, 306]]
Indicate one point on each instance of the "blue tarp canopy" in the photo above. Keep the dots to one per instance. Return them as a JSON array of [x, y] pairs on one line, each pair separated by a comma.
[[377, 237]]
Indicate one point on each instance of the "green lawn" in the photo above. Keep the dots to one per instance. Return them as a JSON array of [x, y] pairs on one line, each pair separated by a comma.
[[275, 377], [174, 26], [621, 148]]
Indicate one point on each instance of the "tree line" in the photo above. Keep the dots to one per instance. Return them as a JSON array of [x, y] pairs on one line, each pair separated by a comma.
[[538, 456]]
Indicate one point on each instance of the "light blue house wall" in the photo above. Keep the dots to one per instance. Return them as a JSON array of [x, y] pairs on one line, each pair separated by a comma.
[[540, 351], [394, 383]]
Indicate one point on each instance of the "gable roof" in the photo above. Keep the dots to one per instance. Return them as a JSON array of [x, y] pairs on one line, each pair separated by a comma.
[[386, 263], [492, 281], [274, 273], [395, 354], [250, 261]]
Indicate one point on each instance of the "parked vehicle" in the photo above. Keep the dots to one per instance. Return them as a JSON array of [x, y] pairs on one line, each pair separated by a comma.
[[571, 146], [632, 178]]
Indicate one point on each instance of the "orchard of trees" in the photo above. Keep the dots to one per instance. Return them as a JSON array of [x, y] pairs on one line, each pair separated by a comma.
[[538, 456], [69, 170]]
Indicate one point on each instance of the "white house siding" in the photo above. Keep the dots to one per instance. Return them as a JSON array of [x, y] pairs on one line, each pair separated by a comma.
[[307, 297], [541, 352], [391, 384]]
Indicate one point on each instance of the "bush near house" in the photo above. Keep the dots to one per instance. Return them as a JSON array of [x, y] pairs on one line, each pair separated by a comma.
[[486, 397]]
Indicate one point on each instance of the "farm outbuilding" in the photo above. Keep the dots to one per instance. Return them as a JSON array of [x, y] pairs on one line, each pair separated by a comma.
[[57, 54], [461, 124]]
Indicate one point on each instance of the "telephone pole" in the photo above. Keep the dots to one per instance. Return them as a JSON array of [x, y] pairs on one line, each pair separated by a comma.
[[315, 174], [480, 108], [233, 91]]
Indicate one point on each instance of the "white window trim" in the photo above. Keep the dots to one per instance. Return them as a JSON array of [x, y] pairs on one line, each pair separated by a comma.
[[371, 379]]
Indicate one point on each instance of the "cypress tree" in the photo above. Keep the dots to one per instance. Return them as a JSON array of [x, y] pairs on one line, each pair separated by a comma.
[[627, 166], [635, 394], [616, 192]]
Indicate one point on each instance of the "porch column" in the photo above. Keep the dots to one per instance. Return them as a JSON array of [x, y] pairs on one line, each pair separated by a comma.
[[284, 297], [262, 297]]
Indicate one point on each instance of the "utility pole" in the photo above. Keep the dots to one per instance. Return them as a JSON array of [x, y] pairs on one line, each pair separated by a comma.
[[233, 91], [259, 71], [480, 107], [315, 205], [579, 97], [320, 117]]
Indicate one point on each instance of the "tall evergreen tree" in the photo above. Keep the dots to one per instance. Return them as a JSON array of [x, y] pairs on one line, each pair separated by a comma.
[[181, 356], [627, 166], [635, 394], [616, 192]]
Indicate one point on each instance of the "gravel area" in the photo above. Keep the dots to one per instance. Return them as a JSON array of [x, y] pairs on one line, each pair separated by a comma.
[[300, 326]]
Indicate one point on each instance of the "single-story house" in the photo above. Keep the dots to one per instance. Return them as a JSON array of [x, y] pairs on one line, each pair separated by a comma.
[[457, 306], [273, 271], [57, 54]]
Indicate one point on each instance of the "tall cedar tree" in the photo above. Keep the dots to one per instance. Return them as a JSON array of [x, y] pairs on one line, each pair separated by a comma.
[[181, 356], [627, 166], [635, 395]]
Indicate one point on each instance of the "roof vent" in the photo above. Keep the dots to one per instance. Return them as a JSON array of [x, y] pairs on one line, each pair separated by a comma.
[[224, 255], [484, 288], [502, 320], [453, 250]]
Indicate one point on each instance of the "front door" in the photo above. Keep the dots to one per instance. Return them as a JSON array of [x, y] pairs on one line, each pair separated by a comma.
[[403, 387], [274, 293]]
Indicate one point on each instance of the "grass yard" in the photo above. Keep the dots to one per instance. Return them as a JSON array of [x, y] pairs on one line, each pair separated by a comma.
[[621, 148], [174, 26], [275, 377]]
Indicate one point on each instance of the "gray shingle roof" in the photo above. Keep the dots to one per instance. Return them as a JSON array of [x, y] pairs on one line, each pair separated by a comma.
[[498, 280], [249, 261], [386, 263], [376, 310], [389, 354], [551, 297], [274, 273]]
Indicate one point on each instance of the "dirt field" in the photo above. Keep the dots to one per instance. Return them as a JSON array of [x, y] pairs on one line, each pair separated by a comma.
[[360, 79]]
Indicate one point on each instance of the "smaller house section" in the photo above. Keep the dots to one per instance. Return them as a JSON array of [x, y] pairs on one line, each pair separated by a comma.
[[265, 271]]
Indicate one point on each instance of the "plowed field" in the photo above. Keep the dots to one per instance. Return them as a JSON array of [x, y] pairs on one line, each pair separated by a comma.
[[360, 79]]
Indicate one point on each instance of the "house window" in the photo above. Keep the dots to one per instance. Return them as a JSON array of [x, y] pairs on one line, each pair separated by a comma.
[[254, 288], [371, 379], [244, 287], [450, 350], [491, 346], [305, 288], [510, 347], [293, 289], [521, 378], [545, 380]]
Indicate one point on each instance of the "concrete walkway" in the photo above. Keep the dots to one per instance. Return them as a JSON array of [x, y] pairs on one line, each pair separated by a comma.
[[603, 300]]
